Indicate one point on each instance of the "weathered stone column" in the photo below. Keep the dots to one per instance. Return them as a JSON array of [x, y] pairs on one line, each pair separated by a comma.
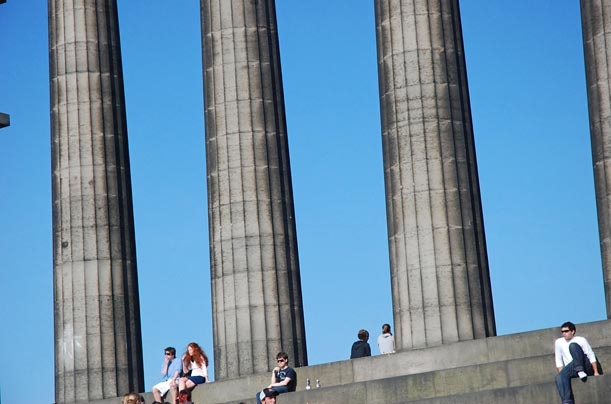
[[596, 25], [98, 350], [439, 267], [256, 287]]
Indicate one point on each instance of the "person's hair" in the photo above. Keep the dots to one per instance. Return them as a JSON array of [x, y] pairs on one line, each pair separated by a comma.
[[363, 335], [282, 355], [132, 398], [171, 350], [569, 325], [386, 329], [199, 356]]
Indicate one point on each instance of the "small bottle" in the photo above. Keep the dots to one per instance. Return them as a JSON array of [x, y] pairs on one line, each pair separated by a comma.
[[317, 384], [308, 387]]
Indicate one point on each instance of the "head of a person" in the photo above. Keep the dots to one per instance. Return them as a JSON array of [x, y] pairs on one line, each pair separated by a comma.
[[283, 360], [133, 398], [386, 329], [170, 352], [268, 396], [568, 330], [363, 335], [196, 354]]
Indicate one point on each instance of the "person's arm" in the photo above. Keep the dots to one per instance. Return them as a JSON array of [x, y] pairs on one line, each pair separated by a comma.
[[174, 378], [274, 373], [284, 382], [367, 350], [558, 356], [587, 350], [185, 364], [164, 368]]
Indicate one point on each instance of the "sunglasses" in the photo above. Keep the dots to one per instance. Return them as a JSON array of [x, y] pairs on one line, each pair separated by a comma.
[[168, 353], [280, 360], [565, 331]]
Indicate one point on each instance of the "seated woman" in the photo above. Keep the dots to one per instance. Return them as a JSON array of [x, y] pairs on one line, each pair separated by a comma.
[[195, 365]]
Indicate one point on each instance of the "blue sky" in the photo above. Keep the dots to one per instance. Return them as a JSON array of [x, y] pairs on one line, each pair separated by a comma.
[[528, 98]]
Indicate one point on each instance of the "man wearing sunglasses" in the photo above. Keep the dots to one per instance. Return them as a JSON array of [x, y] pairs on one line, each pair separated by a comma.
[[284, 378], [170, 371], [574, 358]]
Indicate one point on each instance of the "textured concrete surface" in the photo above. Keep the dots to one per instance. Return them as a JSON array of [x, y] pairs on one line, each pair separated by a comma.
[[98, 350], [596, 26], [256, 286], [516, 368], [439, 267]]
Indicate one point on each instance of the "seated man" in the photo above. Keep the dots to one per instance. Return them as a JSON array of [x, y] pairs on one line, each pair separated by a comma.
[[284, 378], [574, 358], [170, 370]]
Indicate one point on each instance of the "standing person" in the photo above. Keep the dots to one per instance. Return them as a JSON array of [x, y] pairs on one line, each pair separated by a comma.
[[574, 358], [386, 342], [361, 348], [284, 379], [194, 361], [170, 373]]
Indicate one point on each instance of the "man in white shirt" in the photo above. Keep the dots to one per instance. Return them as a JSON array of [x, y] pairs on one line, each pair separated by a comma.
[[574, 358]]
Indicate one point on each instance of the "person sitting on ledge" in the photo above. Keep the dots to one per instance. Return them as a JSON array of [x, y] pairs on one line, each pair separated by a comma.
[[195, 365], [574, 358], [284, 378], [170, 371]]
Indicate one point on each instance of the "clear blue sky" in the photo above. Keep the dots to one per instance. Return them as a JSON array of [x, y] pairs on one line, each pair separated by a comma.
[[527, 85]]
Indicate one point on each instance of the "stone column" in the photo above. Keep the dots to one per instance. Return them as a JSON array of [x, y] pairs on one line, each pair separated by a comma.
[[596, 25], [439, 267], [256, 287], [98, 352]]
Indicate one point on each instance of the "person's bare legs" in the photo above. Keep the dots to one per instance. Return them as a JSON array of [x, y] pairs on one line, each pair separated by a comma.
[[157, 395], [174, 391], [185, 384]]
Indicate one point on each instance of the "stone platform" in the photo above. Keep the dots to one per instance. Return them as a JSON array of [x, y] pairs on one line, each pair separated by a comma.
[[516, 368]]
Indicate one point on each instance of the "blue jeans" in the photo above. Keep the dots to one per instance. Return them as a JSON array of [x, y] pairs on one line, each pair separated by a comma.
[[279, 389], [580, 363]]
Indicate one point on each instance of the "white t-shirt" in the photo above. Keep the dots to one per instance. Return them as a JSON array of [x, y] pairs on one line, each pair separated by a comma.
[[386, 343], [196, 370], [563, 355]]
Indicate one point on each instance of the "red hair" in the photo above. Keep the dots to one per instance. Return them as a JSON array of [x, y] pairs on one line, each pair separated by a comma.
[[199, 356]]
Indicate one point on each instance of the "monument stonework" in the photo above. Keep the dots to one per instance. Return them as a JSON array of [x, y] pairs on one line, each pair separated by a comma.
[[256, 286], [596, 27], [98, 347], [442, 299], [439, 266]]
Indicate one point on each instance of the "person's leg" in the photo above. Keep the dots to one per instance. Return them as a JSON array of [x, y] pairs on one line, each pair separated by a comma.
[[281, 389], [182, 389], [258, 397], [563, 384], [159, 390], [174, 391], [157, 395], [578, 357]]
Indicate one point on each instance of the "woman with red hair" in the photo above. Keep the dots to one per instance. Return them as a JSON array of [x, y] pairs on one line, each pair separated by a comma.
[[194, 363]]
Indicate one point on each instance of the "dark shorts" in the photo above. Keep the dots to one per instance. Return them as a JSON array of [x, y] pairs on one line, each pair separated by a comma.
[[197, 379]]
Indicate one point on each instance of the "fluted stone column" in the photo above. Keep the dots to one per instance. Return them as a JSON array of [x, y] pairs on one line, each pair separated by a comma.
[[596, 25], [439, 268], [98, 352], [256, 287]]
